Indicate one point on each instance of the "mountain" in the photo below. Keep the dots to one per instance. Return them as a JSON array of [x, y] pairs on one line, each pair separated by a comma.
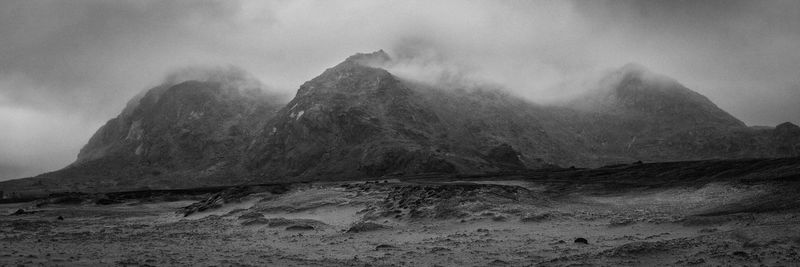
[[178, 134], [357, 120], [349, 121], [640, 115], [638, 94]]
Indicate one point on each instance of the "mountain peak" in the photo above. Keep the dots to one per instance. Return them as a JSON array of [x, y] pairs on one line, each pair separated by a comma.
[[633, 68], [634, 90], [633, 74], [787, 127], [361, 72], [639, 74], [369, 59]]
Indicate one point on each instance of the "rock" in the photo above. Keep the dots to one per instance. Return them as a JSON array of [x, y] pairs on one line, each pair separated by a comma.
[[106, 201], [230, 195], [234, 212], [696, 261], [251, 215], [506, 156], [22, 212], [19, 212], [498, 263], [581, 240], [216, 200], [619, 221], [641, 248], [275, 222], [536, 217], [741, 254], [255, 221], [300, 227], [439, 249], [385, 247], [66, 198], [366, 227]]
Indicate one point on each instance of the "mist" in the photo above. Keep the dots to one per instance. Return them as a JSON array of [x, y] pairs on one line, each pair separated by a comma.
[[68, 66]]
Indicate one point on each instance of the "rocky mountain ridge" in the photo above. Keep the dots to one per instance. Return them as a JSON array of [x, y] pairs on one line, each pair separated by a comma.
[[356, 121]]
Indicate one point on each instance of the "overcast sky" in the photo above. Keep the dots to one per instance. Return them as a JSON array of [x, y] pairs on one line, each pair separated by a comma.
[[68, 66]]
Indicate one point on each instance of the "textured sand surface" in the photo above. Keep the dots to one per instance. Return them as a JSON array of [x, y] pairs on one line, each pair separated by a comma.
[[514, 223]]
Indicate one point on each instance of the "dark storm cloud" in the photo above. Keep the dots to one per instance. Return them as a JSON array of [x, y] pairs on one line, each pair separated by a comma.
[[67, 66]]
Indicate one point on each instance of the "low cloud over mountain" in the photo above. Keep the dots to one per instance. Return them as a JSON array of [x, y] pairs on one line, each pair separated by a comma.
[[71, 65]]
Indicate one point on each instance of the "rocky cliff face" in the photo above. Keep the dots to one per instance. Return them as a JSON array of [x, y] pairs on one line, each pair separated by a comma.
[[356, 120]]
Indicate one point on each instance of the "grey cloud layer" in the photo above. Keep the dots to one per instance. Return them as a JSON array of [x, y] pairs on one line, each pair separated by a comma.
[[73, 64]]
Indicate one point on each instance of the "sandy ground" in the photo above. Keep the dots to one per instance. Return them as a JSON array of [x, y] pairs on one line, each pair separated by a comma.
[[464, 223]]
